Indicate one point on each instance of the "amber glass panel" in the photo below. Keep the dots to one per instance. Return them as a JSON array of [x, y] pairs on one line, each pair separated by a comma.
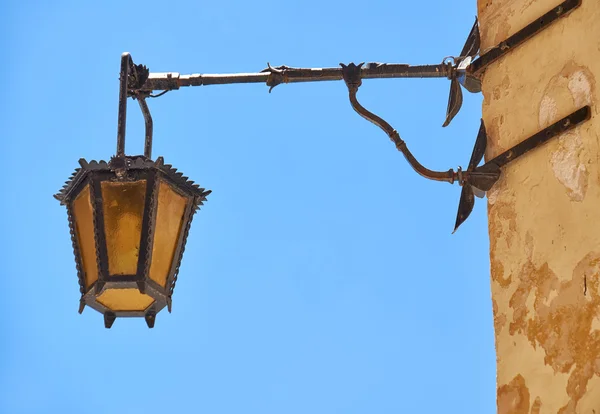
[[123, 212], [84, 226], [169, 220], [125, 300]]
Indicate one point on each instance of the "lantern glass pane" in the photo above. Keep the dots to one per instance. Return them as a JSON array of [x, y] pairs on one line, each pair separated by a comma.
[[123, 213], [84, 228], [169, 221], [127, 300]]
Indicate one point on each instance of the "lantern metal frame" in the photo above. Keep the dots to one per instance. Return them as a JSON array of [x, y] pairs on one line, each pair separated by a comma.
[[129, 169]]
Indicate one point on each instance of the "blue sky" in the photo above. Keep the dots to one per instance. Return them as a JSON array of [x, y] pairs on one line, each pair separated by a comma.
[[321, 276]]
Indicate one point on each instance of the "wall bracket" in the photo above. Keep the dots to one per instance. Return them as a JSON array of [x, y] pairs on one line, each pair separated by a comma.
[[138, 82], [477, 180], [533, 28]]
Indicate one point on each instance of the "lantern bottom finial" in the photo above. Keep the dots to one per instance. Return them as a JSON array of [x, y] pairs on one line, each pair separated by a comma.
[[109, 319], [150, 319]]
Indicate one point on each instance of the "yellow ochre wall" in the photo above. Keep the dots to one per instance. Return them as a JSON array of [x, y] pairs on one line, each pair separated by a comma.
[[544, 213]]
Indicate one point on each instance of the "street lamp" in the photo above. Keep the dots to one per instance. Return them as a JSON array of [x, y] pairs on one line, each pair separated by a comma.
[[129, 218]]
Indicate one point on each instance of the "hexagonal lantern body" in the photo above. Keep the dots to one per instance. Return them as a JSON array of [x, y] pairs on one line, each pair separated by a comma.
[[129, 220]]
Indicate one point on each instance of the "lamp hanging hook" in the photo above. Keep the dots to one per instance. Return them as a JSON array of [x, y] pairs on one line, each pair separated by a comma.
[[131, 78]]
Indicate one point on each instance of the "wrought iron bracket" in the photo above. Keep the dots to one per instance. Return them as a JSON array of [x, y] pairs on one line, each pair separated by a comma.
[[476, 181], [533, 28], [137, 81]]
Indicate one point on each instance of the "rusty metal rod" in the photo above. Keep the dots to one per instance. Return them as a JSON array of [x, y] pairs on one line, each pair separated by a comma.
[[149, 126], [122, 117], [273, 76]]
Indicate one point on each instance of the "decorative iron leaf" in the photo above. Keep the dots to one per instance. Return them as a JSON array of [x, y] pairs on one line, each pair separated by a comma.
[[455, 100], [138, 76], [473, 42], [469, 51], [479, 148], [465, 206]]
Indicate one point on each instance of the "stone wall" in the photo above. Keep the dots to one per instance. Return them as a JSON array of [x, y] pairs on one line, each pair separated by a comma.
[[544, 213]]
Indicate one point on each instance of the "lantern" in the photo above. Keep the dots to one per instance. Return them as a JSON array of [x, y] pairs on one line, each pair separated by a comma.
[[129, 220]]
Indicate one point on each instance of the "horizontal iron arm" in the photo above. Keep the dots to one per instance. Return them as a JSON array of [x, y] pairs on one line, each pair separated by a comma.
[[273, 76]]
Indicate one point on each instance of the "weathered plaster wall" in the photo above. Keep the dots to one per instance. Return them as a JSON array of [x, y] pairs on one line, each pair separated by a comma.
[[544, 213]]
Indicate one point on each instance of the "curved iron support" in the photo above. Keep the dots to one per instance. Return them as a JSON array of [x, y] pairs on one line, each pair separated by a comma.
[[353, 81], [149, 125]]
